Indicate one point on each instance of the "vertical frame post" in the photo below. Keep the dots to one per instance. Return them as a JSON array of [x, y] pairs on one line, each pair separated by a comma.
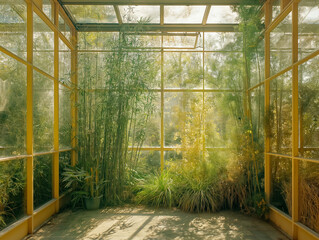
[[162, 103], [74, 99], [55, 166], [267, 102], [29, 141], [295, 130]]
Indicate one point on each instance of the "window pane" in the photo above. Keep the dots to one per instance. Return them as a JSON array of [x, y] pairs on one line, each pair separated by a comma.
[[43, 45], [42, 182], [281, 46], [275, 9], [134, 14], [13, 34], [152, 127], [47, 8], [225, 41], [13, 89], [257, 67], [64, 63], [223, 70], [281, 195], [146, 127], [219, 119], [43, 109], [183, 70], [12, 189], [64, 161], [64, 28], [222, 14], [64, 117], [280, 117], [308, 34], [309, 194], [182, 112], [148, 162], [180, 41], [308, 108], [96, 40], [257, 97], [184, 14], [92, 13]]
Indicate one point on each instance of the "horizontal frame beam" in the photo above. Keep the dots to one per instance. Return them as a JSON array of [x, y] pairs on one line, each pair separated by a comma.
[[150, 2], [93, 27]]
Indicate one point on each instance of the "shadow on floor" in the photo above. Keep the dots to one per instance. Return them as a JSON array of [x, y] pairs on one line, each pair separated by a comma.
[[137, 222]]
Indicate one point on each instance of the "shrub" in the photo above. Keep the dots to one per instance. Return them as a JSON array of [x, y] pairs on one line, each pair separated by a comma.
[[157, 190]]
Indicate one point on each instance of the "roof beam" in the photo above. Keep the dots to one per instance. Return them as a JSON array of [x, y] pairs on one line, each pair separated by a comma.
[[92, 27], [151, 2], [207, 10], [118, 14]]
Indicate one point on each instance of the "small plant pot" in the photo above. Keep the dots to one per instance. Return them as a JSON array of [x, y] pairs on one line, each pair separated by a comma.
[[92, 203]]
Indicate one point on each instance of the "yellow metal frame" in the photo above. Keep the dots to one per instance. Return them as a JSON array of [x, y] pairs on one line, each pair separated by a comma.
[[290, 225], [35, 217]]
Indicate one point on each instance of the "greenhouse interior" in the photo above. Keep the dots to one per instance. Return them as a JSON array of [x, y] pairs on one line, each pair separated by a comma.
[[219, 138]]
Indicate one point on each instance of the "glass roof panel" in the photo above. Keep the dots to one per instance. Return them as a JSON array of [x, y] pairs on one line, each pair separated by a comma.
[[92, 13], [184, 14], [222, 14], [134, 14]]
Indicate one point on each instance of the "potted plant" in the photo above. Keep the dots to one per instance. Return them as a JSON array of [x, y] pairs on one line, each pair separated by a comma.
[[85, 187]]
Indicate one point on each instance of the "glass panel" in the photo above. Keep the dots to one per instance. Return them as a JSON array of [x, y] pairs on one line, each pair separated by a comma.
[[180, 41], [12, 189], [43, 112], [13, 33], [170, 157], [222, 14], [183, 70], [64, 28], [64, 161], [148, 162], [223, 70], [182, 112], [257, 113], [219, 119], [281, 195], [13, 89], [257, 65], [47, 8], [92, 13], [280, 118], [147, 127], [308, 24], [309, 194], [134, 14], [226, 41], [308, 108], [281, 46], [92, 70], [152, 128], [43, 45], [64, 63], [42, 182], [64, 117], [275, 8], [184, 14], [96, 40]]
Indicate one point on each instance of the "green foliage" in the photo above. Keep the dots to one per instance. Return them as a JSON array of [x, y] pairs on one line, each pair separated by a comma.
[[12, 186], [114, 117], [157, 190]]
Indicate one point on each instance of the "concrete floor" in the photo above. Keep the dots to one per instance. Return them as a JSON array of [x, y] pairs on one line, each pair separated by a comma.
[[137, 222]]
